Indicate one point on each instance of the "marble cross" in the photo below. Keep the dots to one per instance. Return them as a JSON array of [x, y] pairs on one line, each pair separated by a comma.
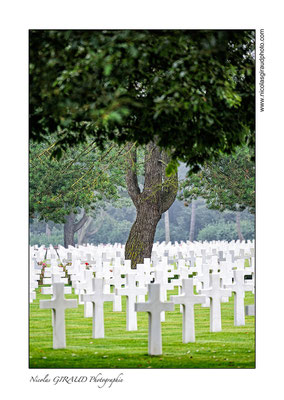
[[182, 273], [55, 278], [187, 299], [107, 275], [117, 281], [215, 292], [98, 297], [86, 286], [239, 287], [214, 265], [58, 304], [126, 268], [154, 307], [131, 291], [143, 278], [204, 280], [162, 278], [226, 275]]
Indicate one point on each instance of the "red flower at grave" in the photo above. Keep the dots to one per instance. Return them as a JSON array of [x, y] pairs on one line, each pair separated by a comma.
[[87, 264]]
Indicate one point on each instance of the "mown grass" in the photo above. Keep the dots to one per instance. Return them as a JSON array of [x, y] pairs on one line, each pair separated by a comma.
[[232, 348]]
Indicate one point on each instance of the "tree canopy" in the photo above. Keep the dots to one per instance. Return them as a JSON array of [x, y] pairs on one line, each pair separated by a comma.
[[226, 184], [78, 180], [191, 92]]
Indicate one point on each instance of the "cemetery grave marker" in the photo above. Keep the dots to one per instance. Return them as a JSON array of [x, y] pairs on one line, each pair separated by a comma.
[[143, 278], [162, 278], [58, 304], [117, 281], [98, 297], [154, 307], [85, 286], [239, 287], [187, 299], [204, 280], [215, 292], [131, 291]]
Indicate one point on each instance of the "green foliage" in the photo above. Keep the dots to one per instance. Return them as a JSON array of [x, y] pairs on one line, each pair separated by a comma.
[[226, 184], [116, 226], [226, 231], [190, 91], [180, 217], [118, 218], [56, 237], [82, 177]]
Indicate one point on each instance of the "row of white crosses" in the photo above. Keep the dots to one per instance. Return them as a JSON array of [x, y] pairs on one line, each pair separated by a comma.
[[199, 267], [154, 306], [212, 290]]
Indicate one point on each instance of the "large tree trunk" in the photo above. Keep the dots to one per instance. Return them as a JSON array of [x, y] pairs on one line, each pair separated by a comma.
[[69, 230], [167, 227], [141, 238], [158, 194], [192, 221], [238, 222], [70, 227]]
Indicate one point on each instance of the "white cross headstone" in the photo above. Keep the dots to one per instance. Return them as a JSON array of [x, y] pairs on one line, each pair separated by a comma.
[[117, 281], [182, 273], [187, 299], [98, 297], [215, 292], [58, 304], [49, 289], [143, 278], [131, 291], [226, 275], [239, 287], [86, 286], [154, 306], [107, 275], [204, 279]]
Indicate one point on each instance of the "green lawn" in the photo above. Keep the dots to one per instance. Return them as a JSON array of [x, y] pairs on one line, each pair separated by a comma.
[[232, 348]]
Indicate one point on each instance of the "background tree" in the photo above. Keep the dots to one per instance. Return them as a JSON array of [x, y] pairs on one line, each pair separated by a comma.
[[115, 225], [226, 184], [191, 92], [58, 189]]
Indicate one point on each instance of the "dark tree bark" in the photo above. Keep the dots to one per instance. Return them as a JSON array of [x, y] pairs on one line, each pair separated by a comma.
[[238, 222], [158, 194], [192, 221], [70, 227]]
